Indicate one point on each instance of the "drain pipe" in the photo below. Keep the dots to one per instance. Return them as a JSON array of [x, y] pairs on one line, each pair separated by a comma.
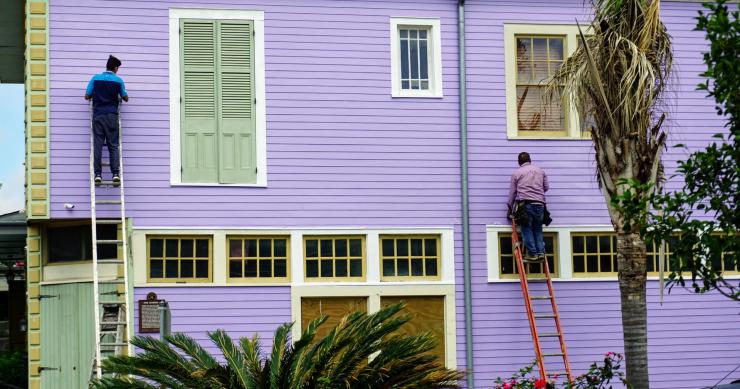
[[464, 192]]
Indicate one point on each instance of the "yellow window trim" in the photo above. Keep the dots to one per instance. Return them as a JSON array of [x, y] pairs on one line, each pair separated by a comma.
[[179, 237], [555, 249], [395, 258], [363, 258], [586, 274], [258, 279], [511, 31]]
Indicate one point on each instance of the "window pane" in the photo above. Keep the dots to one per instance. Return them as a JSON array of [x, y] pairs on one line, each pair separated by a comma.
[[155, 248], [414, 59], [416, 247], [171, 269], [606, 263], [556, 49], [201, 248], [540, 72], [504, 243], [507, 265], [431, 266], [405, 85], [430, 247], [417, 267], [312, 268], [577, 244], [423, 59], [281, 247], [235, 248], [539, 49], [355, 268], [605, 244], [402, 247], [281, 269], [422, 34], [156, 268], [326, 249], [591, 245], [412, 33], [403, 267], [201, 268], [250, 248], [355, 248], [265, 268], [186, 248], [387, 247], [250, 268], [389, 268], [523, 49], [265, 247], [186, 269], [592, 263], [312, 248], [340, 247], [326, 268], [340, 268], [235, 268], [405, 60], [171, 245], [579, 264], [404, 33]]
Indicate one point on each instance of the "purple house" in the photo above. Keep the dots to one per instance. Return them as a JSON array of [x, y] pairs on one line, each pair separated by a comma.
[[285, 159]]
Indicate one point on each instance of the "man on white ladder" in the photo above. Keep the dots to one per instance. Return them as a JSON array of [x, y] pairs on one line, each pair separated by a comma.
[[105, 89]]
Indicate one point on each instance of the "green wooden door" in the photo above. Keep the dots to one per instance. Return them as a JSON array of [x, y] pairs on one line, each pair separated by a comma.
[[67, 334], [218, 102]]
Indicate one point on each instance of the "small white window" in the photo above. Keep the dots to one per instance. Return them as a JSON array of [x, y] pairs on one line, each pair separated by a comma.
[[416, 63]]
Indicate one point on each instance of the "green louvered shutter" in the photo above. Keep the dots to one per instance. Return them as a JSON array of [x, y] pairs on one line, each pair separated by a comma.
[[237, 144], [199, 133]]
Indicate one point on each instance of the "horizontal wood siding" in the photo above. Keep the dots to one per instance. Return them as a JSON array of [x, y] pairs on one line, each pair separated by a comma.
[[340, 150], [689, 336], [241, 311]]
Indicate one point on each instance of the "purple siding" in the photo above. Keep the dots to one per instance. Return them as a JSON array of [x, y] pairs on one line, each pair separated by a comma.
[[689, 334], [242, 311], [342, 152]]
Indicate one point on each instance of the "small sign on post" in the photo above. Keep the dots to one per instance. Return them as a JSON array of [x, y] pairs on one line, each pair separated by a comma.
[[149, 314]]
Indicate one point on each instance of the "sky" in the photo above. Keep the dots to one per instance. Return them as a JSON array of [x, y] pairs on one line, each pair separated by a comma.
[[11, 148]]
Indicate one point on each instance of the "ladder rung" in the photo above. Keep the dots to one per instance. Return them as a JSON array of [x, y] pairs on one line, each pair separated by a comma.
[[557, 373], [549, 335], [107, 182], [553, 354], [107, 221], [110, 261], [115, 344], [111, 302], [544, 316], [112, 323], [116, 281], [540, 297], [107, 201], [109, 241]]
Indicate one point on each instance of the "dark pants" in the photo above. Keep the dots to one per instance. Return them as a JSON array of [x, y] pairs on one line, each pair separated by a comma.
[[105, 129], [532, 231]]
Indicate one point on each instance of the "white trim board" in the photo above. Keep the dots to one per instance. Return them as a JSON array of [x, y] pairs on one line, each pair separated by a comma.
[[258, 17], [435, 57]]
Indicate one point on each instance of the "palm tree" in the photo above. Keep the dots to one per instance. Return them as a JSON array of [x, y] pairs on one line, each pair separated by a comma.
[[617, 78], [362, 351]]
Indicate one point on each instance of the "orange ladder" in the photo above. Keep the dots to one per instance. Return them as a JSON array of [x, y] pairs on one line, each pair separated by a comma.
[[534, 316]]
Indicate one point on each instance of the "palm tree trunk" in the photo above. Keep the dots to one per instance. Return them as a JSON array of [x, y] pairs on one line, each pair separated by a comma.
[[632, 275]]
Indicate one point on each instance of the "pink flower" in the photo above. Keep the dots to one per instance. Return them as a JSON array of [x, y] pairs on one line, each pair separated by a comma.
[[507, 386], [540, 384], [610, 354]]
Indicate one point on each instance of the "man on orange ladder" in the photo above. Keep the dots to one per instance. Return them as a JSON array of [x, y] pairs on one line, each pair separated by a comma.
[[104, 89], [528, 187]]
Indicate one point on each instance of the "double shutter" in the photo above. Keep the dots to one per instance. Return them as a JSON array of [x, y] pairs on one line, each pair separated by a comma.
[[218, 106]]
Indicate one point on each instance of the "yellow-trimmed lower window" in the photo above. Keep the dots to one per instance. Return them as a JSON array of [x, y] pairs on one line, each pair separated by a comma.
[[258, 258], [179, 258], [334, 258], [508, 264], [408, 257], [594, 254]]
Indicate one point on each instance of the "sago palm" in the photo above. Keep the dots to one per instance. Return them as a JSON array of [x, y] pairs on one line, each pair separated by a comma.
[[617, 79], [361, 351]]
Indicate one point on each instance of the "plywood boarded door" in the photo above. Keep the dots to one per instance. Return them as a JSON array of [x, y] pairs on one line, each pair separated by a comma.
[[428, 314], [334, 307]]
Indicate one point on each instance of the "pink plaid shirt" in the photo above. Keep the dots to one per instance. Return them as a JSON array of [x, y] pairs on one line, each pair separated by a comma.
[[528, 182]]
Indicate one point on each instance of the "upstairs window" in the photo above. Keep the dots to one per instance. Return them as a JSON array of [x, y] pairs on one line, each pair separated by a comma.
[[179, 258], [217, 99], [416, 68]]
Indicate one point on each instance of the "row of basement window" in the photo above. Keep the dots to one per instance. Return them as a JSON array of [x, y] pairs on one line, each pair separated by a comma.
[[594, 254], [267, 258]]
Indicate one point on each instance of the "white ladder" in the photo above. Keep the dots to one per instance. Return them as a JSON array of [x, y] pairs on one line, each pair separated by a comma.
[[111, 314]]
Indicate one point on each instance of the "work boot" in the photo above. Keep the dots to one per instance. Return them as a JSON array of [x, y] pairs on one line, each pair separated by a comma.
[[530, 259], [116, 180], [98, 180], [541, 258]]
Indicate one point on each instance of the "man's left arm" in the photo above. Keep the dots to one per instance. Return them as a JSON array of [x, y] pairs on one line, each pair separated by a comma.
[[512, 190], [89, 89], [545, 184]]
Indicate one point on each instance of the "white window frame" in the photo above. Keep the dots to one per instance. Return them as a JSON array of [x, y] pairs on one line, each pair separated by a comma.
[[571, 43], [258, 18], [434, 58]]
